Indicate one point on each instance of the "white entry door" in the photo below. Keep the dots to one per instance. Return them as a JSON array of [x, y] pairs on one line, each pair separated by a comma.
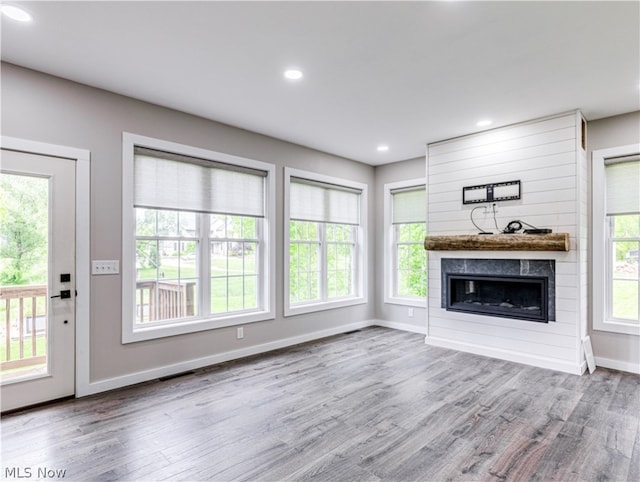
[[37, 278]]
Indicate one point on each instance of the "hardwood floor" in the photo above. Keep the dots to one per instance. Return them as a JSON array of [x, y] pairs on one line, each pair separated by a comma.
[[376, 404]]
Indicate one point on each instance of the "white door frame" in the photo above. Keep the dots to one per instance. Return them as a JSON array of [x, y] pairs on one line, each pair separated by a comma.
[[83, 213]]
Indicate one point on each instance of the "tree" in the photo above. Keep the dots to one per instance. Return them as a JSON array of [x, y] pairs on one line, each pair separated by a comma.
[[23, 229], [412, 260]]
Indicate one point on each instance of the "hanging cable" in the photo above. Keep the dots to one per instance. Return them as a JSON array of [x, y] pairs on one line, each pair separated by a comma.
[[482, 231], [493, 208]]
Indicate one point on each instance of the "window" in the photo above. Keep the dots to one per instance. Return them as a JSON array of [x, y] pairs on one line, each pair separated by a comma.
[[405, 256], [167, 280], [234, 246], [197, 239], [324, 241], [616, 239]]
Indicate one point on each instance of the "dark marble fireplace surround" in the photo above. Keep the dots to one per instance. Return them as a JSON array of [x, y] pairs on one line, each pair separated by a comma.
[[511, 274]]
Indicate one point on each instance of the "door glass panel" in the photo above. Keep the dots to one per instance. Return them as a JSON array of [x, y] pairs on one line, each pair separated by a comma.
[[24, 228]]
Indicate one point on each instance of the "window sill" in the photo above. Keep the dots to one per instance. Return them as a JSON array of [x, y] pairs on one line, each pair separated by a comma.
[[322, 306], [417, 302], [142, 333], [617, 327]]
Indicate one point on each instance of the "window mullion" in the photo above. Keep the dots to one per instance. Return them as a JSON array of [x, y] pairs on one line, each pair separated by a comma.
[[204, 267], [259, 265], [156, 291], [244, 270], [395, 269], [609, 226], [324, 258], [356, 279]]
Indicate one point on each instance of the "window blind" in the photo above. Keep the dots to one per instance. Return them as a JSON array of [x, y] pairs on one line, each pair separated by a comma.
[[409, 205], [325, 203], [623, 185], [171, 181]]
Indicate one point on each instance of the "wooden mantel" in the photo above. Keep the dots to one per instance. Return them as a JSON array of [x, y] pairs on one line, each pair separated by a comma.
[[498, 242]]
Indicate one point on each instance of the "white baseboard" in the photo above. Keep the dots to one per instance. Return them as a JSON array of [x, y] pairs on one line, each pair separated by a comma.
[[401, 326], [618, 365], [540, 362], [168, 370]]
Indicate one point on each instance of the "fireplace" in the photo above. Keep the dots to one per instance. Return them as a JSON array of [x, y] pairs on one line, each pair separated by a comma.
[[504, 296], [507, 288]]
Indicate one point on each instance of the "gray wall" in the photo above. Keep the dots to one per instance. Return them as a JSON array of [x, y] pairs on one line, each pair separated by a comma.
[[399, 171], [602, 134], [47, 109]]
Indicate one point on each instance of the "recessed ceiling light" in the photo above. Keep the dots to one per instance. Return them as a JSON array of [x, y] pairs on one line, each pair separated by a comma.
[[484, 123], [382, 148], [293, 74], [16, 13]]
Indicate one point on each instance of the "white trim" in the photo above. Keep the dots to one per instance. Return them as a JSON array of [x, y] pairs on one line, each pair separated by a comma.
[[390, 272], [362, 242], [426, 177], [422, 330], [599, 231], [581, 240], [508, 355], [131, 334], [83, 277], [83, 243], [417, 302], [322, 306], [44, 149], [500, 128], [621, 365]]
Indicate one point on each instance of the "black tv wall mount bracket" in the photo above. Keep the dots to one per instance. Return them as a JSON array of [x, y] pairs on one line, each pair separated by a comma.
[[484, 193]]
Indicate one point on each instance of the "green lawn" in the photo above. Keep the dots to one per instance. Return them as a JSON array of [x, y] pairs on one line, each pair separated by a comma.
[[625, 299], [238, 291], [230, 290], [218, 267], [41, 348]]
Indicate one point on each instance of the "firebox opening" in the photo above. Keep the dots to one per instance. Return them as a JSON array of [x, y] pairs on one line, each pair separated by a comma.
[[504, 296]]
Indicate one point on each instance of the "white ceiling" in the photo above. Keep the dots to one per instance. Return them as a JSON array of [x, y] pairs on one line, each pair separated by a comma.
[[399, 73]]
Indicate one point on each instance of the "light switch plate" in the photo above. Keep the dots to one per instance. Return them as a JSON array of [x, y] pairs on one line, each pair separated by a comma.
[[105, 266]]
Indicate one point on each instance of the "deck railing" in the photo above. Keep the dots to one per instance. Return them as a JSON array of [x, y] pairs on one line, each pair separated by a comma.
[[24, 321], [174, 300], [23, 306]]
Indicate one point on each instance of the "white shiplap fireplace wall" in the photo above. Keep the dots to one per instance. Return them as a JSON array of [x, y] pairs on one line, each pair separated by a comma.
[[548, 157]]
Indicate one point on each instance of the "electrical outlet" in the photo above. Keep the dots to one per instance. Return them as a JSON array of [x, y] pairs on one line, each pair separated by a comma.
[[410, 312], [240, 332], [105, 267]]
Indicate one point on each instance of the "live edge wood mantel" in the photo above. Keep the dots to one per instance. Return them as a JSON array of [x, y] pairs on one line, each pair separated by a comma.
[[498, 242]]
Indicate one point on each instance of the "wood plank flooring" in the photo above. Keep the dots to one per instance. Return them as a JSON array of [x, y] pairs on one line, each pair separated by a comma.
[[377, 404]]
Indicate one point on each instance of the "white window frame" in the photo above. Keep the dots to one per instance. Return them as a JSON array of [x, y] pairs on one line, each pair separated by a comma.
[[600, 253], [134, 333], [390, 269], [360, 271]]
